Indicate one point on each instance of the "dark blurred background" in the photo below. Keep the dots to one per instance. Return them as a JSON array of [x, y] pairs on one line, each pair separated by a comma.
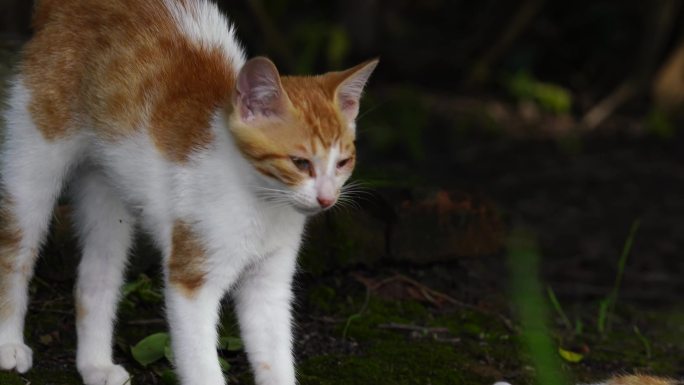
[[486, 118]]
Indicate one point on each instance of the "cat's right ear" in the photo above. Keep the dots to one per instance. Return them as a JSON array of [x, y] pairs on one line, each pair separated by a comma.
[[258, 91]]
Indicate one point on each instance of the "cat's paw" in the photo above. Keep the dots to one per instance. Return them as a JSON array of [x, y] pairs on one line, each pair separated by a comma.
[[105, 375], [17, 357]]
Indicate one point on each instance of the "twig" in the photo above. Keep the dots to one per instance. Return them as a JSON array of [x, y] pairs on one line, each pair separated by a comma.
[[430, 295], [512, 31], [414, 328], [357, 315], [606, 107], [660, 23], [151, 321], [329, 320], [60, 312]]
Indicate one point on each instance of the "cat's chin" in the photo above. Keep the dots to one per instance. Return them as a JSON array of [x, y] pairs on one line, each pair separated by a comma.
[[308, 211]]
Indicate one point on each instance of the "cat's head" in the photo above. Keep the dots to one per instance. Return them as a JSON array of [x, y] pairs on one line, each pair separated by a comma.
[[298, 132]]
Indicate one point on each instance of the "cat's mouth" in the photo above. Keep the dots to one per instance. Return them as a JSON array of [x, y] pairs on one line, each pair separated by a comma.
[[309, 211]]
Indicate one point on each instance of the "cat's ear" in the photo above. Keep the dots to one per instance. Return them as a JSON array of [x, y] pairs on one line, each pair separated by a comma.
[[258, 91], [350, 87]]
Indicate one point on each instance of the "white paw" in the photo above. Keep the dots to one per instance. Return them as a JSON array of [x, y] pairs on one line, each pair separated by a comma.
[[17, 357], [105, 375]]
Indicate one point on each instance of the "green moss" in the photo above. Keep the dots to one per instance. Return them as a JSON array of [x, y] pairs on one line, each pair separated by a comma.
[[321, 298], [363, 323], [398, 357], [396, 362], [41, 377]]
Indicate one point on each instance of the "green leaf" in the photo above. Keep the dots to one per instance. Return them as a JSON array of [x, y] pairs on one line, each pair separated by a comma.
[[168, 353], [134, 286], [225, 366], [570, 356], [168, 377], [229, 343], [551, 97], [150, 349]]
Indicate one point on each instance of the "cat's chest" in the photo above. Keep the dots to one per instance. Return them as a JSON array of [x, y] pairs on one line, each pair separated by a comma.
[[263, 231]]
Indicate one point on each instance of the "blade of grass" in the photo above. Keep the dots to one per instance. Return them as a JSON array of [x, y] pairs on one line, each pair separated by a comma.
[[622, 262], [528, 298], [559, 309], [644, 341]]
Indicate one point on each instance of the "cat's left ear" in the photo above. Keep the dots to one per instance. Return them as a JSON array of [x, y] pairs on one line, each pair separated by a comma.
[[258, 91], [349, 87]]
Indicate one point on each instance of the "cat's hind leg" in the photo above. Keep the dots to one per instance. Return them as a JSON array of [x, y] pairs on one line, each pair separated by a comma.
[[105, 229], [32, 170]]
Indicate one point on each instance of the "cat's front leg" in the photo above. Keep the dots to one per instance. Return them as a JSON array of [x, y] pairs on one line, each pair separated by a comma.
[[192, 324], [263, 304], [192, 306]]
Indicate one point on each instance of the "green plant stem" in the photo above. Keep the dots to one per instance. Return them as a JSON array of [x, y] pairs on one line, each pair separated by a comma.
[[527, 292], [622, 262]]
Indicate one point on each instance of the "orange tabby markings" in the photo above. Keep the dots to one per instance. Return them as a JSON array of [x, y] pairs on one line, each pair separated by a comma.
[[641, 380], [70, 54], [186, 264], [81, 310], [10, 237], [311, 126], [104, 66], [181, 118], [313, 99]]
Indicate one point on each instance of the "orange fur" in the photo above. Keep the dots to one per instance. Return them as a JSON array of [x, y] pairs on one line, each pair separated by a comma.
[[186, 264], [641, 380], [10, 237], [311, 125], [119, 63], [80, 309], [113, 62]]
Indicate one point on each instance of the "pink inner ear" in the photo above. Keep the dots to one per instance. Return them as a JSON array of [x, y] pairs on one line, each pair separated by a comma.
[[258, 90], [348, 103], [350, 89]]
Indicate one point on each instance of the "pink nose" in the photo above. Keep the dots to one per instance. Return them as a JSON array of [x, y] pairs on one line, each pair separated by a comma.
[[325, 202]]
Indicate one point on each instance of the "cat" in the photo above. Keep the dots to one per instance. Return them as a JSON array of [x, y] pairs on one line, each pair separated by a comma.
[[150, 111]]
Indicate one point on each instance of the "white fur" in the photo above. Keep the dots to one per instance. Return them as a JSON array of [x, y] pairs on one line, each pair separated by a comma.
[[251, 244], [203, 24], [32, 171]]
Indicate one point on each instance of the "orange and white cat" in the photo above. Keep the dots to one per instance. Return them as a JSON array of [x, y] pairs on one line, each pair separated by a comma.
[[151, 112]]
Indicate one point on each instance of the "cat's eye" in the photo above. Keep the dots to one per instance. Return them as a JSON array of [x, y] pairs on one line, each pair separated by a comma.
[[302, 164], [343, 163]]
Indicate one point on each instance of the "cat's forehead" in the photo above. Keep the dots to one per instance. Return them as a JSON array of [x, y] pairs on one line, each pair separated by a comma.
[[319, 117]]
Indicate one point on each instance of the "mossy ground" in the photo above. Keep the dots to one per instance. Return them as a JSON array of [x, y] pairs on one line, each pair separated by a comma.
[[350, 335]]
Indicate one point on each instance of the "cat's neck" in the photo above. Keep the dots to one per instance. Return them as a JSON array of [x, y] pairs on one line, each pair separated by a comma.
[[239, 170]]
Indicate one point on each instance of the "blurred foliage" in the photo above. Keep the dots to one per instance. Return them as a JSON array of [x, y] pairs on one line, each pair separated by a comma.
[[551, 97], [660, 124], [318, 39], [395, 125]]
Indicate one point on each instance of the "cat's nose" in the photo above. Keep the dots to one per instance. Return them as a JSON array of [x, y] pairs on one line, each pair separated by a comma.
[[325, 202]]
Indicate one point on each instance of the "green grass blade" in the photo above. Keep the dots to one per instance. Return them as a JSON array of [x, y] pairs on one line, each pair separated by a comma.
[[622, 262], [528, 298], [559, 309]]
